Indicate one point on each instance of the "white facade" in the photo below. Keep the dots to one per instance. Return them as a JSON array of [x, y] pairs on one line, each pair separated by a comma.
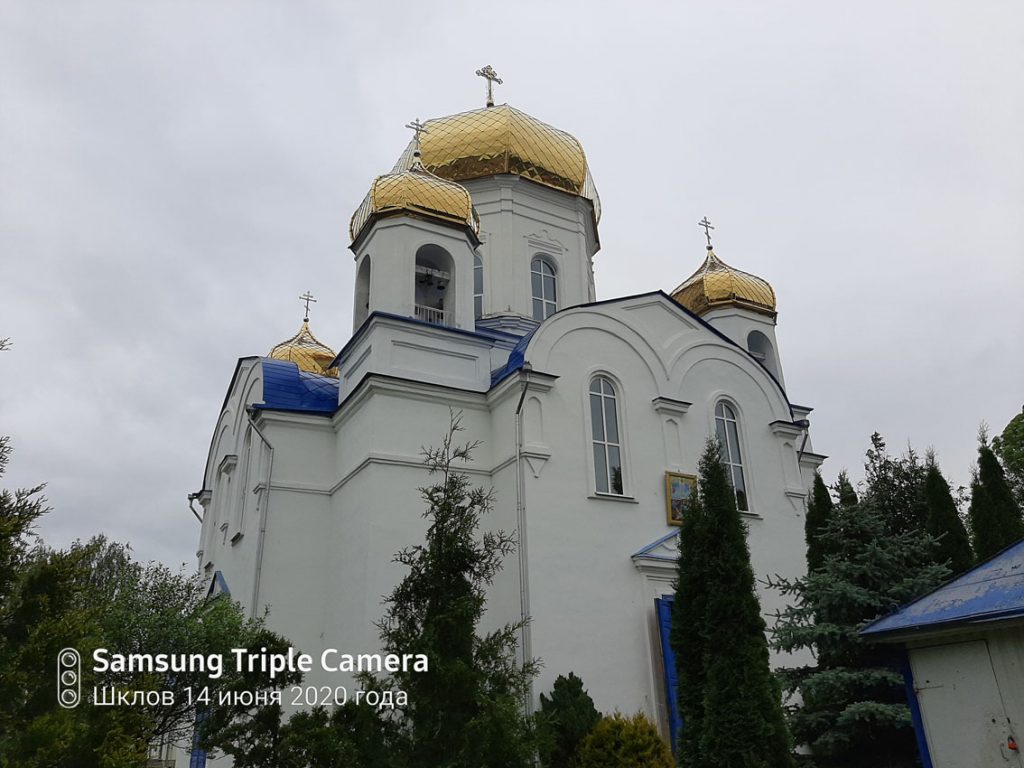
[[306, 507]]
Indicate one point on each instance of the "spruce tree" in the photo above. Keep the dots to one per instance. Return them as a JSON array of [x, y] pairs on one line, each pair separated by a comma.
[[895, 485], [819, 509], [994, 515], [944, 523], [731, 708], [564, 720], [853, 711], [844, 490]]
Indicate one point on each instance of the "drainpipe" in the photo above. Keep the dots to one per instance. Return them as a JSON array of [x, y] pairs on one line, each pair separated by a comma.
[[524, 592], [263, 517], [191, 498]]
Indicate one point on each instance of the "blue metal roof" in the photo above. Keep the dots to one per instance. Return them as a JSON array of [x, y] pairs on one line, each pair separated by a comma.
[[286, 388], [516, 359], [991, 591]]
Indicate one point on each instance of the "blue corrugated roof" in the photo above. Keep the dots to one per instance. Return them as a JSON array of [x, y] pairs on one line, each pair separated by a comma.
[[992, 590], [286, 388]]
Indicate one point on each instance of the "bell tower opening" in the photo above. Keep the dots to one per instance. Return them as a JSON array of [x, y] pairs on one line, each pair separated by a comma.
[[434, 276]]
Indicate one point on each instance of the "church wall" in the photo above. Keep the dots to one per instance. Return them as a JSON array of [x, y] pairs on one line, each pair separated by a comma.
[[520, 219]]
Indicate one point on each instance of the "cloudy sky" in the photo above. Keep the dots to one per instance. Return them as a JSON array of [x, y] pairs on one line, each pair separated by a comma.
[[174, 174]]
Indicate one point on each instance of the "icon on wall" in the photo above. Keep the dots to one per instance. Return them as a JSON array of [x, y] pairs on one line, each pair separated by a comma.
[[680, 490]]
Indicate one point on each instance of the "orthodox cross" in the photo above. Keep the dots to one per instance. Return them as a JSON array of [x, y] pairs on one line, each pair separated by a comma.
[[307, 298], [707, 228], [492, 78], [417, 128]]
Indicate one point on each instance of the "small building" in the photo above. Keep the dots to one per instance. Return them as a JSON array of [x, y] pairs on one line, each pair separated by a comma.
[[965, 665]]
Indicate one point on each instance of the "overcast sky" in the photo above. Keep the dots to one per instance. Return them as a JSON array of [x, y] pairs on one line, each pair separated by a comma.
[[174, 174]]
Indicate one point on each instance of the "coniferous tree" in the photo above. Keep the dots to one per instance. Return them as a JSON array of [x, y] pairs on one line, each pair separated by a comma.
[[994, 515], [895, 485], [819, 509], [944, 523], [624, 742], [564, 720], [730, 704], [467, 708], [853, 708], [844, 490]]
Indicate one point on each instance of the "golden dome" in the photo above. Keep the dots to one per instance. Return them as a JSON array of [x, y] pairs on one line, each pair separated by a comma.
[[417, 192], [716, 284], [501, 139], [307, 352]]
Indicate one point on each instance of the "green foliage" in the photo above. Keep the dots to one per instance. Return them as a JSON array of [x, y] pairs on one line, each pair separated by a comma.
[[728, 699], [1009, 447], [844, 490], [853, 710], [467, 710], [624, 742], [819, 509], [896, 486], [994, 515], [944, 523], [563, 721]]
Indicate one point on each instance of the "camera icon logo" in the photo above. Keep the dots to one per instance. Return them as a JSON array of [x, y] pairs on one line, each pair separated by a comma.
[[69, 678]]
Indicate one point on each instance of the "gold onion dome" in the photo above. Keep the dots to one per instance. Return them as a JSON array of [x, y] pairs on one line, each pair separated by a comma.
[[307, 352], [417, 192], [501, 139], [716, 284]]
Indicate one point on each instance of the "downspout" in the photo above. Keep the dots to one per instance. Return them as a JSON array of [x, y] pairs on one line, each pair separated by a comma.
[[524, 593], [191, 498], [263, 517]]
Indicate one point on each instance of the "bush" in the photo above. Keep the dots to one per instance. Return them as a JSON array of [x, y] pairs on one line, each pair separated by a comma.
[[624, 742], [563, 721]]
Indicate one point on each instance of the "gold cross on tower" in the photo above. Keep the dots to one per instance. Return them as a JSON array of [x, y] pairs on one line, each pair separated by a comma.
[[307, 298], [707, 229], [492, 78]]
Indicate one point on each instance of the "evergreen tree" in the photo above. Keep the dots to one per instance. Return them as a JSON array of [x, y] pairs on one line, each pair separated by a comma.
[[731, 707], [944, 523], [564, 720], [853, 710], [994, 515], [896, 486], [467, 709], [624, 742], [1009, 447], [819, 509], [844, 490]]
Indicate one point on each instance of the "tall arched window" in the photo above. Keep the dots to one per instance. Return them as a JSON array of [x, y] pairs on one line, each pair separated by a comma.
[[542, 278], [727, 429], [604, 425], [478, 287]]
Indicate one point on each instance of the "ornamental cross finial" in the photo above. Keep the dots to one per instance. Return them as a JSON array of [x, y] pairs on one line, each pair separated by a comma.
[[707, 229], [417, 128], [492, 78], [307, 299]]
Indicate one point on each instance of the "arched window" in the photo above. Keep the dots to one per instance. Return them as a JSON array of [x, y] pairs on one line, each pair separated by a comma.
[[604, 425], [434, 275], [478, 287], [542, 278], [761, 348], [727, 429]]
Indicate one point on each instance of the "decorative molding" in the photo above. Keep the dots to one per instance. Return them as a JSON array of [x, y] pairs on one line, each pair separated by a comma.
[[545, 242], [227, 464], [785, 429], [536, 456], [666, 406]]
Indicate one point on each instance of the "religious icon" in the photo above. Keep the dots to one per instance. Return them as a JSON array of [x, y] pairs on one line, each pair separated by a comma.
[[679, 492]]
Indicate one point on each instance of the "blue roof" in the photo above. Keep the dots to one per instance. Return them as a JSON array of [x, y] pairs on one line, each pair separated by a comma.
[[516, 359], [286, 388], [991, 591]]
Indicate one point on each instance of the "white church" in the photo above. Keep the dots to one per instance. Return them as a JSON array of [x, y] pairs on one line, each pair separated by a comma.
[[474, 292]]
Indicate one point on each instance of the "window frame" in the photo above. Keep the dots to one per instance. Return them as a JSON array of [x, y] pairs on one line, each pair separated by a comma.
[[600, 441], [478, 297], [732, 451], [547, 303]]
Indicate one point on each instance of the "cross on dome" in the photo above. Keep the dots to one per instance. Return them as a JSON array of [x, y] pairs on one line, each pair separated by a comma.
[[707, 229], [307, 299], [492, 78]]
